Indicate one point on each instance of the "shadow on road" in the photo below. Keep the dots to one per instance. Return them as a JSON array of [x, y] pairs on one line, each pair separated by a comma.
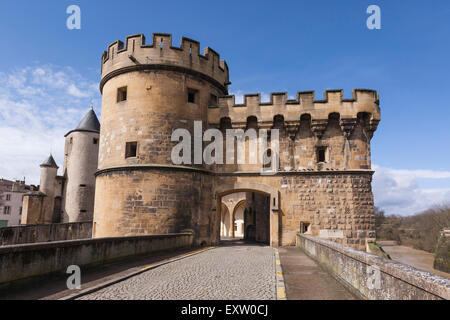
[[234, 242]]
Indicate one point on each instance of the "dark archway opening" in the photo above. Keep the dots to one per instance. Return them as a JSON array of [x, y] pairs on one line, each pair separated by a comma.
[[245, 216]]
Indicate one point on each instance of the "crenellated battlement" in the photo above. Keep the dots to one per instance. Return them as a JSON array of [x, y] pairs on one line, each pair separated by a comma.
[[363, 101], [135, 54]]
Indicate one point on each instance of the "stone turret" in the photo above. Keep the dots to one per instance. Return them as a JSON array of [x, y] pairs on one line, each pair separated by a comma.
[[49, 170], [80, 164], [148, 91]]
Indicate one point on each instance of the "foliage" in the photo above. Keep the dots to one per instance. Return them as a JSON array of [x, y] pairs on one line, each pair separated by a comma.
[[421, 231]]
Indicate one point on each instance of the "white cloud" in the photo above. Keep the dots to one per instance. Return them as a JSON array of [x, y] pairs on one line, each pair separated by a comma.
[[398, 192], [38, 105], [74, 91]]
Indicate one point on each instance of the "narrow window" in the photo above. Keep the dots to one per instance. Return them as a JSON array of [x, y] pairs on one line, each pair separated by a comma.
[[122, 94], [95, 140], [83, 211], [131, 149], [192, 96], [7, 210], [71, 140], [321, 152], [212, 100], [8, 197], [82, 186]]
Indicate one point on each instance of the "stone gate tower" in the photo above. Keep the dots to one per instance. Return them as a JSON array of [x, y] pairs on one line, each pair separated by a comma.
[[321, 184], [148, 91]]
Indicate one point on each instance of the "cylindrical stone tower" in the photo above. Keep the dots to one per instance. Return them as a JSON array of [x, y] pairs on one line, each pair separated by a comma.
[[80, 165], [148, 92], [49, 169]]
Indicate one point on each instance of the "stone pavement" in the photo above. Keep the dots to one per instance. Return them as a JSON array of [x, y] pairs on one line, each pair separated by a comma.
[[234, 271], [305, 280]]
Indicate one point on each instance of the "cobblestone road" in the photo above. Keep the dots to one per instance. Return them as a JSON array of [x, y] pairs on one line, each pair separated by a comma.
[[226, 272]]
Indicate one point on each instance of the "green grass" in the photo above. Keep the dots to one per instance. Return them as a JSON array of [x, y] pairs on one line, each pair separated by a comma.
[[377, 250]]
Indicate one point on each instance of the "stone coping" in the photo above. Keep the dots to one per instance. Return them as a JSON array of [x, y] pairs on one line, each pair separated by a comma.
[[47, 225], [305, 172], [218, 173], [150, 167], [69, 243]]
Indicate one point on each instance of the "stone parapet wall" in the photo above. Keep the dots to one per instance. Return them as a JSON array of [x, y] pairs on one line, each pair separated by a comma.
[[45, 233], [363, 100], [136, 55], [359, 271], [28, 260]]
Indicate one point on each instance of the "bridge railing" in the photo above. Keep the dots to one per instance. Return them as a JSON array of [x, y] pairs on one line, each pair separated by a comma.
[[45, 233], [372, 277], [30, 260]]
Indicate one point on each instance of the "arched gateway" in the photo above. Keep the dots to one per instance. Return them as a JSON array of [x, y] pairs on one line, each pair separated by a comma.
[[266, 190]]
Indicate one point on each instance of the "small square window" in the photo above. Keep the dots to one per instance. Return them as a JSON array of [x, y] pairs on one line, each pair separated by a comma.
[[212, 100], [131, 149], [304, 227], [321, 154], [192, 96], [95, 140], [122, 94]]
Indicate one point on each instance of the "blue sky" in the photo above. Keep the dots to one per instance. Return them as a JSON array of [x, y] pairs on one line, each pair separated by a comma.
[[49, 75]]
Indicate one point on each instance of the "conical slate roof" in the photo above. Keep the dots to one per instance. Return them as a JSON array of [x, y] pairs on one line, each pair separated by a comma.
[[88, 123], [50, 162]]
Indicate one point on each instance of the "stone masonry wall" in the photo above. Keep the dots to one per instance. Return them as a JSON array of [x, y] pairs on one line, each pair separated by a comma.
[[139, 202], [45, 233], [338, 207]]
